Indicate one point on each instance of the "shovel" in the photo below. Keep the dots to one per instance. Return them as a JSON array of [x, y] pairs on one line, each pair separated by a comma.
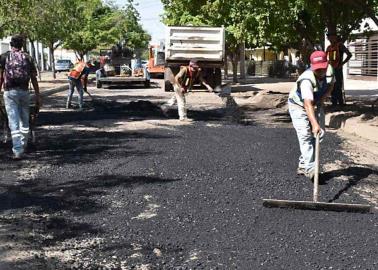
[[315, 204]]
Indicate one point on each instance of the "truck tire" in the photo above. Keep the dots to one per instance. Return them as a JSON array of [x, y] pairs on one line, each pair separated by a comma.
[[218, 77], [168, 87]]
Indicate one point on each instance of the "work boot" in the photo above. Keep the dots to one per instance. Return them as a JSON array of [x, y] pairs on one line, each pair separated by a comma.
[[301, 171], [186, 119], [164, 110], [17, 156], [310, 175]]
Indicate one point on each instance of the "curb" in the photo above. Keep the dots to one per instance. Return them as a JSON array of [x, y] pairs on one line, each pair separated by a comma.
[[61, 88], [55, 90], [353, 123]]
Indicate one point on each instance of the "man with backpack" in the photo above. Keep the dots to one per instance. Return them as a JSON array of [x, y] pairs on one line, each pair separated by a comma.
[[17, 69], [78, 77]]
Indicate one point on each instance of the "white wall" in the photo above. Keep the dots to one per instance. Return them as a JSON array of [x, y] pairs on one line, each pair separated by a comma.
[[61, 53], [4, 45]]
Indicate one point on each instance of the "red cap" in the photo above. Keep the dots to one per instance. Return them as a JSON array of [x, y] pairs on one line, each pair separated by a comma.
[[318, 60], [193, 63]]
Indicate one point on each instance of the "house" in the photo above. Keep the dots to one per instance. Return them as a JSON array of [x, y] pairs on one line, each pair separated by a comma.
[[364, 48]]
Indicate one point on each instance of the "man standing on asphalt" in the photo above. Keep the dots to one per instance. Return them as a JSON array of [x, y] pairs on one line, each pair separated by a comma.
[[183, 83], [335, 52], [305, 108], [78, 77], [17, 68]]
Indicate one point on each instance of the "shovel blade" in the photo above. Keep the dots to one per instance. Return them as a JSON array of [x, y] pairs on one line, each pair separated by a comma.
[[318, 206]]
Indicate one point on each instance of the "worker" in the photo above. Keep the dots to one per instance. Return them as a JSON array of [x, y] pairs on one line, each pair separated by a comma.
[[335, 53], [306, 108], [183, 82], [78, 77], [17, 69]]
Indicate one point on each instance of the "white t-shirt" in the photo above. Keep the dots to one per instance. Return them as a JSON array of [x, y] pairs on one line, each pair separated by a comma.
[[307, 91]]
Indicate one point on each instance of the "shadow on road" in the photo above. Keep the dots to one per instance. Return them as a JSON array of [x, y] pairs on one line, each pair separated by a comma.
[[354, 174], [38, 215]]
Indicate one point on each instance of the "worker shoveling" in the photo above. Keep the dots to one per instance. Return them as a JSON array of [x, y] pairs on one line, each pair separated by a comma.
[[315, 204]]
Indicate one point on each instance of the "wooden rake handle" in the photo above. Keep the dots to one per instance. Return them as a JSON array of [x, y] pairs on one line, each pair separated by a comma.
[[317, 167]]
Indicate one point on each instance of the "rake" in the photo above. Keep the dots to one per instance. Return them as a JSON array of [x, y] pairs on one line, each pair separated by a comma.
[[315, 204]]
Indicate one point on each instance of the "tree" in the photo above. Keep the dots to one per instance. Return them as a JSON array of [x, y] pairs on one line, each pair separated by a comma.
[[301, 24], [133, 35], [106, 25], [236, 16], [15, 19], [295, 23], [54, 21]]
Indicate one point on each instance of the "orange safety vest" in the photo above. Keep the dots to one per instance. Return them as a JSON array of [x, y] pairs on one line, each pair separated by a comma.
[[77, 70], [333, 54]]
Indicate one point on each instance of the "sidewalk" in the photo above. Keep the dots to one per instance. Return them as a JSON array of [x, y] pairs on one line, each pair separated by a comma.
[[48, 85]]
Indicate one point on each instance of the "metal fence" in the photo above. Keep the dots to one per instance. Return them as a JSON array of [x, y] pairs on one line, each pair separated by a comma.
[[364, 61], [276, 68]]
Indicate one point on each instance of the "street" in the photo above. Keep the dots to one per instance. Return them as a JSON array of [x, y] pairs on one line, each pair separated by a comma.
[[122, 185]]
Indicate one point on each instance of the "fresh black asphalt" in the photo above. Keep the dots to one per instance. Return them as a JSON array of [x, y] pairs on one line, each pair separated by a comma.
[[188, 197]]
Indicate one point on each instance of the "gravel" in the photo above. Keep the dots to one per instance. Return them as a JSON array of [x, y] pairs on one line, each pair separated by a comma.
[[182, 198]]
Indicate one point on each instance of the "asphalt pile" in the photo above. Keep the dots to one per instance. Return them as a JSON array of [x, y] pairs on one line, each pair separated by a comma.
[[187, 197]]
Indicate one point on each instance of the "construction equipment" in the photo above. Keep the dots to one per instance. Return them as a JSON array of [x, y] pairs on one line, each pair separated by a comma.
[[121, 68], [204, 44], [315, 204], [156, 60]]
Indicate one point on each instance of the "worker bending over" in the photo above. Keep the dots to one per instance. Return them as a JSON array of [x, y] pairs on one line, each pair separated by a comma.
[[183, 83]]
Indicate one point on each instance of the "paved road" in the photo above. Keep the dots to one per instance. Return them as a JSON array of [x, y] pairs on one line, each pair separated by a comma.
[[97, 194]]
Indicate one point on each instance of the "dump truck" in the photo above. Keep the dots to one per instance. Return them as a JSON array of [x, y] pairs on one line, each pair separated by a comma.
[[205, 44], [118, 68]]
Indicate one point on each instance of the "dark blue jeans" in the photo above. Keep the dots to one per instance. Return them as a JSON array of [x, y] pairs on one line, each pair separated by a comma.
[[337, 93], [79, 87]]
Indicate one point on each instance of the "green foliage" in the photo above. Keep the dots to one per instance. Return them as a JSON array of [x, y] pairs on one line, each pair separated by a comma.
[[133, 34], [53, 20], [236, 16], [106, 25], [15, 17], [81, 25], [281, 23]]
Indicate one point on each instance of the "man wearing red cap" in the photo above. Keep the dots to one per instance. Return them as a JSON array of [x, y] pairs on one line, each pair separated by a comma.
[[305, 108], [183, 83]]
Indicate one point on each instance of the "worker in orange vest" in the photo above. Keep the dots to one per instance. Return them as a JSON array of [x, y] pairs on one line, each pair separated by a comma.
[[78, 78], [335, 54]]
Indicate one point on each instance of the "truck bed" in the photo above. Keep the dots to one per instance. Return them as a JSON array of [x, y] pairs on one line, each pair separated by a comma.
[[206, 44]]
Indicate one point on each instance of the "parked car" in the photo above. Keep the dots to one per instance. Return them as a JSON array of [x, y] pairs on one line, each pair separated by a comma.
[[63, 65], [144, 63]]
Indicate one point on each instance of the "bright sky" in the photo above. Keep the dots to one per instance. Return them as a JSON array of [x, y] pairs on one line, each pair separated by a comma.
[[150, 11]]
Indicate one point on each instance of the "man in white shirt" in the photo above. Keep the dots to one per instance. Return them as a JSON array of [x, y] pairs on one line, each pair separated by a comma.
[[305, 108]]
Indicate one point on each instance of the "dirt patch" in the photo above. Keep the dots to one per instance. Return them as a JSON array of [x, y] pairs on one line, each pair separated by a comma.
[[268, 100]]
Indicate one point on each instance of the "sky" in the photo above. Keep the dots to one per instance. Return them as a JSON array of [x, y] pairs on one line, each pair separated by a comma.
[[150, 11]]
